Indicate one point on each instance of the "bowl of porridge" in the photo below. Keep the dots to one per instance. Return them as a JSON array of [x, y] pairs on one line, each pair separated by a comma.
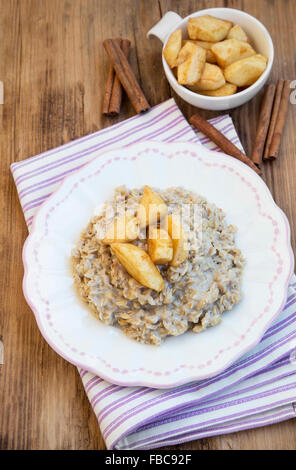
[[186, 285]]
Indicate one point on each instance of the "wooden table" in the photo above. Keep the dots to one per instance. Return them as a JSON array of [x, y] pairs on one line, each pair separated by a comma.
[[54, 67]]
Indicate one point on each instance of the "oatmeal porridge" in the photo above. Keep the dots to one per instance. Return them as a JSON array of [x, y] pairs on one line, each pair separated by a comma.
[[170, 293]]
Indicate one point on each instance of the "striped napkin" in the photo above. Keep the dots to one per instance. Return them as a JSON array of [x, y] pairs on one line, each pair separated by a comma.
[[259, 389]]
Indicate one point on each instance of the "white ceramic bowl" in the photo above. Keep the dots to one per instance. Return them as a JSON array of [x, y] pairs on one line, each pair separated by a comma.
[[255, 30]]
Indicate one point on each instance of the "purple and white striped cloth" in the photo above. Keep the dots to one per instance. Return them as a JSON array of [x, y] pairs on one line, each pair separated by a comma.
[[259, 389]]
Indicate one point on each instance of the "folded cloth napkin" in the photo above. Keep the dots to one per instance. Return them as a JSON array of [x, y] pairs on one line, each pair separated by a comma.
[[259, 389]]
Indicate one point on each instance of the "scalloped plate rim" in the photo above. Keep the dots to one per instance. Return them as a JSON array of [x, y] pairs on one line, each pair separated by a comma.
[[153, 383]]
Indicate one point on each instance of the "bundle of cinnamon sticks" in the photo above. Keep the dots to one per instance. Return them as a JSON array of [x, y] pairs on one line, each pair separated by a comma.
[[121, 75], [272, 120]]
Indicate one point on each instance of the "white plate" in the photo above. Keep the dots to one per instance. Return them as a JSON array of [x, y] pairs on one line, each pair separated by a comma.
[[71, 330]]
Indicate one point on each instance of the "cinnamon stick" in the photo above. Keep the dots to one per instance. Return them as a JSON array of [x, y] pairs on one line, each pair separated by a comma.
[[126, 76], [116, 96], [263, 125], [113, 90], [274, 115], [280, 121], [109, 86], [221, 141]]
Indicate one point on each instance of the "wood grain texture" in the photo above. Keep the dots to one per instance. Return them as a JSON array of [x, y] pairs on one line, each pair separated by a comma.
[[54, 68]]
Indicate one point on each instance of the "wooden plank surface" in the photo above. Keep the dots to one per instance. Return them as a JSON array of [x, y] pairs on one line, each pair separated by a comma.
[[54, 67]]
